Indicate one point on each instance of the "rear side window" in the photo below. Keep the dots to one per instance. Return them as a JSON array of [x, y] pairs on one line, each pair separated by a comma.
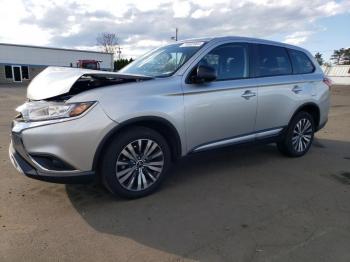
[[272, 61], [301, 62]]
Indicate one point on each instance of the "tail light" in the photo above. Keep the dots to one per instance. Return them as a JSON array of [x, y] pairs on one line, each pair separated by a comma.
[[328, 82]]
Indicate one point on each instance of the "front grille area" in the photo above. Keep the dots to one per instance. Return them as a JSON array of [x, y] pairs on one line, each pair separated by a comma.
[[52, 163]]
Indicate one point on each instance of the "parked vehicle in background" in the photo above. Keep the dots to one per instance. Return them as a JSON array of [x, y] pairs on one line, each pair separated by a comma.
[[194, 95], [89, 64]]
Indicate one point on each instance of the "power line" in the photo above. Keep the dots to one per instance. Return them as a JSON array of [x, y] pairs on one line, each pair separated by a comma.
[[119, 52], [176, 35]]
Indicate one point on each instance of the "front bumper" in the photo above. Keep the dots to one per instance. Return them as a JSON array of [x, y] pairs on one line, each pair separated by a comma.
[[59, 151], [25, 165]]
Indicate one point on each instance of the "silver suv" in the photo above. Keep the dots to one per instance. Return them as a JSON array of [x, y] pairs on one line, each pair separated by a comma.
[[127, 127]]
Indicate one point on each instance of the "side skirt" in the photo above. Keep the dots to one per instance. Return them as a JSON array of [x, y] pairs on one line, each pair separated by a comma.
[[263, 136]]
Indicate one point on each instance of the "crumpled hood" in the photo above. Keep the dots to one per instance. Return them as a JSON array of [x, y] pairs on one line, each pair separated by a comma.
[[55, 81]]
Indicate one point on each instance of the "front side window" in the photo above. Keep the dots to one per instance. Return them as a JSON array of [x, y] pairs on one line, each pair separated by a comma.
[[272, 61], [164, 61], [230, 61], [301, 63]]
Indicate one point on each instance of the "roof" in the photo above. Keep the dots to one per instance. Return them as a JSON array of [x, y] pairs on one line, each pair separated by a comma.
[[54, 48], [243, 39]]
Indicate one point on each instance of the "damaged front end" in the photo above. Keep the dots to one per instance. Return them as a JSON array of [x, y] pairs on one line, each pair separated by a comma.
[[61, 83], [44, 134], [49, 91]]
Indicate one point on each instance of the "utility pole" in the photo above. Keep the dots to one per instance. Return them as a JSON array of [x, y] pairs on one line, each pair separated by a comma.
[[119, 52], [176, 34]]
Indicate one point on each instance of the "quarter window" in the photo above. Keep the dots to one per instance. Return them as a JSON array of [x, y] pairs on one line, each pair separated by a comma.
[[8, 72], [272, 61], [301, 63], [230, 61]]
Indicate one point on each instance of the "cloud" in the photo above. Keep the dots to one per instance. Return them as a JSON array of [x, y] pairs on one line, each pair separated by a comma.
[[181, 9], [297, 38], [201, 13], [141, 25]]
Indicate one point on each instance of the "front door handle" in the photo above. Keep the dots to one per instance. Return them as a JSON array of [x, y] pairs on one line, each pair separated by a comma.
[[248, 94], [297, 89]]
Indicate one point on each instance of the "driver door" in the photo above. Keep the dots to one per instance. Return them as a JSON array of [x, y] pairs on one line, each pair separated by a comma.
[[223, 111]]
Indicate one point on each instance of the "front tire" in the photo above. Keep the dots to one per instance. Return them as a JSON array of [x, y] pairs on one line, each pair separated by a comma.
[[135, 162], [298, 136]]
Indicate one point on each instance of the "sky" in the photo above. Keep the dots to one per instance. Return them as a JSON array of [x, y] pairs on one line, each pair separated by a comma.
[[141, 25]]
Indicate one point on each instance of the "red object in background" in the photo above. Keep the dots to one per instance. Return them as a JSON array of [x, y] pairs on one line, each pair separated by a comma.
[[89, 64]]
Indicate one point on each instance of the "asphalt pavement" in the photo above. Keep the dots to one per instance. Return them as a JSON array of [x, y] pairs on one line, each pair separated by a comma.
[[243, 204]]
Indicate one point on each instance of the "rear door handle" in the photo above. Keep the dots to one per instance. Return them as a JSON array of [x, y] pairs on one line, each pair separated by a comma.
[[248, 94], [297, 89]]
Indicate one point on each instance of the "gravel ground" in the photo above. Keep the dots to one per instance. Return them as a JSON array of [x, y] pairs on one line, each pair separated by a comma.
[[248, 204]]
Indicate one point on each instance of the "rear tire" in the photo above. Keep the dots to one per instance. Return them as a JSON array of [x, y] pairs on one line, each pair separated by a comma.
[[299, 135], [135, 163]]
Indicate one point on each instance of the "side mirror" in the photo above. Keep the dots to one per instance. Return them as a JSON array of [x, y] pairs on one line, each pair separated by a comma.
[[205, 74]]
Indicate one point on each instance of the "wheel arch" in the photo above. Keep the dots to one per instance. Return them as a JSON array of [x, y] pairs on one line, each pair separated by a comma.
[[159, 124], [311, 108]]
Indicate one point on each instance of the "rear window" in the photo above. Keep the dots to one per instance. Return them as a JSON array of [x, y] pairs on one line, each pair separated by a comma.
[[272, 61], [301, 62]]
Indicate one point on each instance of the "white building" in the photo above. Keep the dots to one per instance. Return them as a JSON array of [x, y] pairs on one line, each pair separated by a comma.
[[339, 74], [21, 63]]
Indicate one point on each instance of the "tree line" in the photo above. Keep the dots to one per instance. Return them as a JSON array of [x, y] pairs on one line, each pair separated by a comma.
[[339, 57]]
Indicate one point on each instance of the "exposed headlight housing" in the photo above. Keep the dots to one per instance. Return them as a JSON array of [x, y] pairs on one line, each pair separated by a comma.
[[43, 110]]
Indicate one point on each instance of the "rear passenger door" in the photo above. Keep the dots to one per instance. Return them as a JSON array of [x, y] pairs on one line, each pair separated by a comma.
[[276, 82], [304, 68]]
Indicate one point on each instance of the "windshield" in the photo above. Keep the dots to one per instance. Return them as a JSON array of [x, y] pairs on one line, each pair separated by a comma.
[[163, 61]]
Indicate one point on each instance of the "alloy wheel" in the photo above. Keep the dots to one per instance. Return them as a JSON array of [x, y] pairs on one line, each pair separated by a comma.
[[302, 135], [139, 164]]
